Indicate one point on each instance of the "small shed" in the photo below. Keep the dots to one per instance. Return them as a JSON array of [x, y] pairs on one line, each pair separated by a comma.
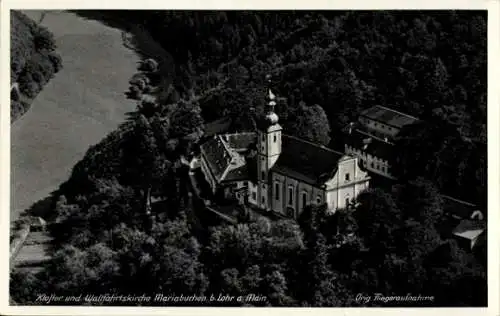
[[469, 233]]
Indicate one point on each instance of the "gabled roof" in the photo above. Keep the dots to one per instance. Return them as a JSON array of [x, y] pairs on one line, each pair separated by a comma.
[[300, 159], [307, 161], [225, 163], [239, 173], [469, 229], [388, 116], [216, 156], [370, 144]]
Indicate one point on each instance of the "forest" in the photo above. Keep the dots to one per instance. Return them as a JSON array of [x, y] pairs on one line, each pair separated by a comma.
[[33, 61], [326, 67]]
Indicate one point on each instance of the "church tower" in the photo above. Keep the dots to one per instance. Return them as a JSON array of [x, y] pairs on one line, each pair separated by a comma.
[[268, 150]]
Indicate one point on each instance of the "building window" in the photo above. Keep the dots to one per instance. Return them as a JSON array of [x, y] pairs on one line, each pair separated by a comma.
[[372, 165], [263, 137], [277, 191], [318, 199], [263, 200], [347, 177], [304, 199], [290, 196], [254, 196], [290, 212], [274, 138], [263, 175]]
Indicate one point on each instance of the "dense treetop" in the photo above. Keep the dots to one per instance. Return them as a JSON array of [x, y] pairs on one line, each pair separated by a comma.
[[33, 60]]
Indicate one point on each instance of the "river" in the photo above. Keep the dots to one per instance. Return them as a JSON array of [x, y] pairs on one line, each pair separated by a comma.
[[76, 109]]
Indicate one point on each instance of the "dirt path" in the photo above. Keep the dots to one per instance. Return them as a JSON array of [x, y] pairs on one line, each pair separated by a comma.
[[76, 109]]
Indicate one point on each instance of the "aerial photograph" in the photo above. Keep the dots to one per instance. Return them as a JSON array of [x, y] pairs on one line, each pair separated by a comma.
[[287, 158]]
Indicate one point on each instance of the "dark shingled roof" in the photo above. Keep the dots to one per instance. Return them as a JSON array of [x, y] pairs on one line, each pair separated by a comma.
[[388, 116], [377, 147], [218, 157], [305, 160], [224, 161], [238, 174]]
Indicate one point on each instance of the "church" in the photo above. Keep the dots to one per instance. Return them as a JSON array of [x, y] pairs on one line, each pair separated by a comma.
[[272, 171]]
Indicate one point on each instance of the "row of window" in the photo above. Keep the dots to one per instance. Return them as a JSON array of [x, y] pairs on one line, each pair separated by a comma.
[[277, 196], [363, 155], [275, 138], [290, 209], [377, 166]]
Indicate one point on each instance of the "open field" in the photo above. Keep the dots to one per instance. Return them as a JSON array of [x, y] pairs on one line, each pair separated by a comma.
[[76, 109]]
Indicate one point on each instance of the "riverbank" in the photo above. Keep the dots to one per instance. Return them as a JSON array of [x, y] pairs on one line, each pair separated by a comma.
[[76, 109]]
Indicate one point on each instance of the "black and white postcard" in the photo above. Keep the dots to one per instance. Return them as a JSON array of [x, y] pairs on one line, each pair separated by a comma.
[[249, 157]]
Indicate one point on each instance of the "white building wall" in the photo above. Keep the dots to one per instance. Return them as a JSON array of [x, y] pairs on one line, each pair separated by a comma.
[[208, 176], [379, 129], [371, 163], [341, 188]]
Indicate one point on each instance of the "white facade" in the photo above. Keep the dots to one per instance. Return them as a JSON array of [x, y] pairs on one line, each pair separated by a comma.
[[372, 163]]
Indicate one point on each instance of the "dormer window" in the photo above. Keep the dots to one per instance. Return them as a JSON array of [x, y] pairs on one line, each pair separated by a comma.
[[274, 138], [347, 177]]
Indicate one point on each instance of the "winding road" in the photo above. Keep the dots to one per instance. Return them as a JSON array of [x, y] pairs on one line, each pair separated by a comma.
[[76, 109]]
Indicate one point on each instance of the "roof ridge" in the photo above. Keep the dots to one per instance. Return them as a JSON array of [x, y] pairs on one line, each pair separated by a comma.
[[226, 145], [395, 111], [314, 144], [457, 200]]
